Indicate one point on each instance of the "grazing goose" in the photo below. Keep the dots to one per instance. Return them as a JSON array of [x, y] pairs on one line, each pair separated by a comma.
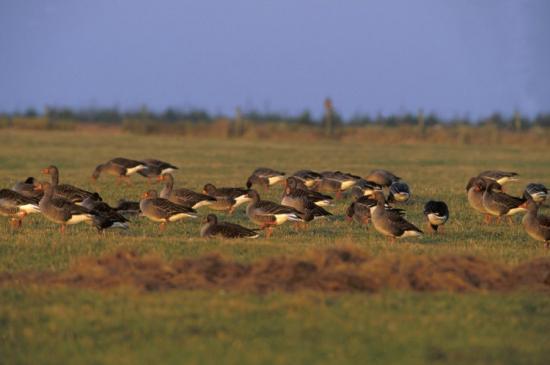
[[308, 177], [382, 177], [437, 213], [537, 226], [268, 214], [26, 188], [537, 192], [399, 192], [61, 210], [264, 177], [163, 210], [501, 177], [213, 228], [390, 223], [365, 188], [120, 167], [299, 199], [183, 196], [297, 187], [128, 207], [475, 189], [16, 206], [155, 168], [65, 191], [227, 199], [498, 203]]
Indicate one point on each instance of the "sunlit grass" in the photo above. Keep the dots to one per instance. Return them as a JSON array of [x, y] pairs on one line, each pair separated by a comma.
[[54, 325]]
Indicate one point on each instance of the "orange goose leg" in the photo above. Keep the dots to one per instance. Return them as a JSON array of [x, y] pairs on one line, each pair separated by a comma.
[[510, 220], [62, 229], [162, 226]]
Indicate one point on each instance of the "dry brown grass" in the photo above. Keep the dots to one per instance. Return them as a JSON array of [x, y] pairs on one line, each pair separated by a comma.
[[345, 269]]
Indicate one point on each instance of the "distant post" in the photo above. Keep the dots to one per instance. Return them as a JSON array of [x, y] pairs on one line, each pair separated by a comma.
[[421, 122], [517, 121], [238, 124], [329, 118]]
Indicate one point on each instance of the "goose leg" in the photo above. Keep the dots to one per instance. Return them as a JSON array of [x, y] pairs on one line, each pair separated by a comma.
[[231, 210], [269, 231], [15, 223], [547, 244], [510, 220], [162, 226], [487, 219], [339, 194], [62, 229], [127, 180]]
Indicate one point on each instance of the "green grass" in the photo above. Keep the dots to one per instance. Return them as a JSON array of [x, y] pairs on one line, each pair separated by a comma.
[[123, 327], [39, 325]]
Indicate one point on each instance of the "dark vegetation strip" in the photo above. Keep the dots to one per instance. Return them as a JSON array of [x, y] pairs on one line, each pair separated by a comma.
[[333, 270]]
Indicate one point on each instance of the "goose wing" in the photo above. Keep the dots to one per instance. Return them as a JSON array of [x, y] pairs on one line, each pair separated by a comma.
[[72, 193], [190, 197], [126, 163], [266, 207], [168, 208], [14, 199], [507, 201]]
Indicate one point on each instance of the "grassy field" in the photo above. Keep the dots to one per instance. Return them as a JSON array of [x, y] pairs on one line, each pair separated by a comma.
[[39, 324]]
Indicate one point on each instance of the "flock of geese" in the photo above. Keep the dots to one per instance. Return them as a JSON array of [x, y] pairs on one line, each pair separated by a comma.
[[304, 199]]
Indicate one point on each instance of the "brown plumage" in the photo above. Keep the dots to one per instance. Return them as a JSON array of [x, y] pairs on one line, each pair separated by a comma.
[[212, 228]]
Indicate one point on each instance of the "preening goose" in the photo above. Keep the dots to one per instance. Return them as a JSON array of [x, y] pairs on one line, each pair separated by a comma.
[[437, 214], [163, 210], [120, 167], [365, 188], [16, 206], [183, 196], [213, 228], [537, 192], [399, 192], [268, 214]]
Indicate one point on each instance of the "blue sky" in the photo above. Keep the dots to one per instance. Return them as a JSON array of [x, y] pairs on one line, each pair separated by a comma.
[[455, 58]]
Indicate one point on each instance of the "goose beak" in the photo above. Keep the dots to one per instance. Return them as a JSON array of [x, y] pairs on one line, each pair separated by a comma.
[[37, 187], [45, 171], [160, 178], [145, 195]]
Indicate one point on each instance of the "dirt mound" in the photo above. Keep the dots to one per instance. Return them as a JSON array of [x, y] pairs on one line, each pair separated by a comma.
[[332, 270]]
